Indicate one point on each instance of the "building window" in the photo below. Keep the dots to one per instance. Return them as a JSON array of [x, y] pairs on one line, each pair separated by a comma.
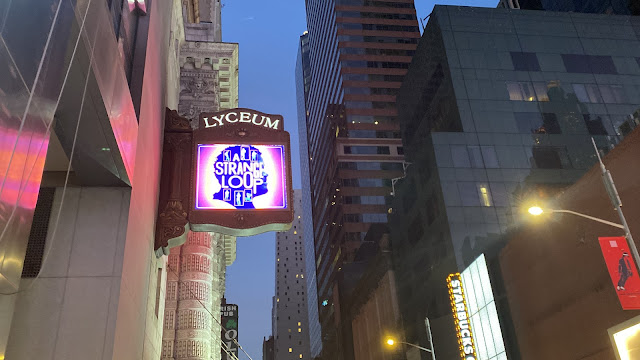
[[367, 150], [468, 193], [589, 64], [528, 122], [613, 94], [550, 123], [485, 196], [520, 91], [587, 93], [542, 90], [525, 61], [460, 156], [490, 157], [547, 158], [374, 218], [290, 349], [595, 124]]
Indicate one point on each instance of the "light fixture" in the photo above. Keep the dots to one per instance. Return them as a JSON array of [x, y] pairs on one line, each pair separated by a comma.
[[535, 210], [390, 342]]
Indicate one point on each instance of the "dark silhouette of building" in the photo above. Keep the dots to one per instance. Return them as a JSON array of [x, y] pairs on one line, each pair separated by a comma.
[[267, 349], [359, 54]]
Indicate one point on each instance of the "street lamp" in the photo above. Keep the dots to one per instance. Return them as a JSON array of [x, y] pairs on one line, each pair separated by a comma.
[[391, 342], [536, 210], [610, 187]]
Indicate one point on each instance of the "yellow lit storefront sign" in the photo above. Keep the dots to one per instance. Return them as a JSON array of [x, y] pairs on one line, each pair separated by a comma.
[[461, 317]]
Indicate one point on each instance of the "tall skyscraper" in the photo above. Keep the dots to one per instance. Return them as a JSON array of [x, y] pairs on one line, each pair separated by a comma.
[[498, 110], [291, 328], [303, 83], [359, 54]]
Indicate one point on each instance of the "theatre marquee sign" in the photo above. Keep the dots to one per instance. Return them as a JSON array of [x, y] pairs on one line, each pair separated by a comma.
[[232, 176]]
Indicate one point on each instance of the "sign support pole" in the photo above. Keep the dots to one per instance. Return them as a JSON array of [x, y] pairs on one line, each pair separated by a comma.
[[617, 203], [433, 351]]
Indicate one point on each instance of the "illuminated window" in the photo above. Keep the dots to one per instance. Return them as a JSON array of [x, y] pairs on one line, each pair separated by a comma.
[[299, 324], [302, 276], [485, 199], [298, 216], [278, 300], [278, 259], [295, 232], [300, 356], [299, 330], [290, 350], [289, 331]]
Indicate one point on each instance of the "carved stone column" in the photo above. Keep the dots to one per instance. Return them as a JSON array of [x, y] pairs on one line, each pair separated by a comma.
[[171, 305], [193, 333], [218, 286]]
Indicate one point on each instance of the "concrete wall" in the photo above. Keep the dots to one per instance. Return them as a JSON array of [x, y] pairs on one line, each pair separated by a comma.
[[561, 297], [70, 311]]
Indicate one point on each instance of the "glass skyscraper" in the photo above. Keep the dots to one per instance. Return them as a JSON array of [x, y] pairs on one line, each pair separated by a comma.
[[359, 52], [303, 81], [498, 109]]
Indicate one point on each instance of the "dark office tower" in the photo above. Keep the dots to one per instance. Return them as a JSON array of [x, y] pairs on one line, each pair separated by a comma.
[[497, 110], [303, 82], [619, 7], [359, 54]]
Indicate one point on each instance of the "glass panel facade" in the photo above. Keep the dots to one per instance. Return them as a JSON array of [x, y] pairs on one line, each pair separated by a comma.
[[485, 322]]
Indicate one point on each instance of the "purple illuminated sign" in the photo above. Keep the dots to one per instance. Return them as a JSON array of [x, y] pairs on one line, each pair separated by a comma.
[[240, 177]]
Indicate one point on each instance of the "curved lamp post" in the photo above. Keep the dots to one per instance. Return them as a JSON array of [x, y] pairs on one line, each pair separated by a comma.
[[535, 210], [392, 342], [610, 187]]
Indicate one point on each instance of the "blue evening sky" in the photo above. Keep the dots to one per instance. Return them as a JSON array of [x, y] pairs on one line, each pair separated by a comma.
[[268, 33]]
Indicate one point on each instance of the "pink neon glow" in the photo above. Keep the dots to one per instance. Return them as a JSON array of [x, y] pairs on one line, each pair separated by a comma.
[[22, 167], [207, 184]]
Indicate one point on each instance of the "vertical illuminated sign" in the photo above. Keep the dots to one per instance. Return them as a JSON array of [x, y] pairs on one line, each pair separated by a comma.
[[229, 317], [461, 317]]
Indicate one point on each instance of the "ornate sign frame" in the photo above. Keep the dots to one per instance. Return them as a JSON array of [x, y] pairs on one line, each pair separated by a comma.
[[178, 214]]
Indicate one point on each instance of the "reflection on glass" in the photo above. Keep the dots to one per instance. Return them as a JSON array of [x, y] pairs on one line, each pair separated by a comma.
[[541, 91], [484, 195], [522, 91]]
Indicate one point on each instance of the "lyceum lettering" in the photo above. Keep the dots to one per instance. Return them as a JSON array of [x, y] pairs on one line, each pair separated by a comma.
[[243, 117]]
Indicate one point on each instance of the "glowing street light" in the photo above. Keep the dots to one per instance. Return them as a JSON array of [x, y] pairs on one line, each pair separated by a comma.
[[392, 342], [535, 210], [610, 187]]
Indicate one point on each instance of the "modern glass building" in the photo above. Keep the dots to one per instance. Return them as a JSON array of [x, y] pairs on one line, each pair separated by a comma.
[[498, 108], [359, 53], [303, 83], [619, 7]]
